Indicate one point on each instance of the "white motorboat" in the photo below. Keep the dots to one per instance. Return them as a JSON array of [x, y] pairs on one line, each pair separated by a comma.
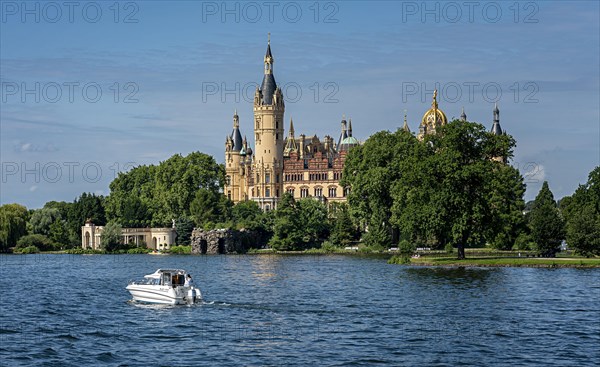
[[165, 286]]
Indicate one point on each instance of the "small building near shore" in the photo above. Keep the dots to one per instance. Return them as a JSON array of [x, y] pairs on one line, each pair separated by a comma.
[[153, 238]]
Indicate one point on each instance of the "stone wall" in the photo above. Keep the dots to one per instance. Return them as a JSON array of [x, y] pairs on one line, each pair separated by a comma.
[[222, 241]]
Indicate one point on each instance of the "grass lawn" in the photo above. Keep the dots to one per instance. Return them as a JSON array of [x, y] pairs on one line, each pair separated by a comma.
[[509, 261]]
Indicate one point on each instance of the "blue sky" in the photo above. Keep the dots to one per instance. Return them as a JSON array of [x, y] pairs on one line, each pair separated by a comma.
[[171, 74]]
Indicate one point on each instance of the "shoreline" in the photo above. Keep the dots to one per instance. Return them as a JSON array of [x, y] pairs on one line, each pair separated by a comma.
[[442, 262]]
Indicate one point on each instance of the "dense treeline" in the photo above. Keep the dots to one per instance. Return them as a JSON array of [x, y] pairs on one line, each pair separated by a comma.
[[582, 215], [448, 191]]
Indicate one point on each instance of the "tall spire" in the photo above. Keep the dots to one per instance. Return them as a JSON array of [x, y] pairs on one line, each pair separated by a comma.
[[405, 127], [496, 129], [496, 112], [269, 57], [463, 115], [290, 143], [350, 127]]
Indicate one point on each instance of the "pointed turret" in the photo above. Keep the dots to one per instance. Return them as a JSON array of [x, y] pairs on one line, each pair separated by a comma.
[[463, 115], [236, 136], [496, 129], [268, 86], [290, 144], [344, 133], [350, 127], [405, 126]]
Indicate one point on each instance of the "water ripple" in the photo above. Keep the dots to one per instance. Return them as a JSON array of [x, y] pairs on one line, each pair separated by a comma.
[[298, 311]]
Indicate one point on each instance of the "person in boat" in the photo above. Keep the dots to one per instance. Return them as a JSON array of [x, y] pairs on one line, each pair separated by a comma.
[[189, 282]]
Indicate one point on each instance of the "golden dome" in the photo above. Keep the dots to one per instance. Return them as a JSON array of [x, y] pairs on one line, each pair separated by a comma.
[[434, 116]]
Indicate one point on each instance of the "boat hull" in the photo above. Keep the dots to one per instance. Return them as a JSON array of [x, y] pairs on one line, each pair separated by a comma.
[[159, 294]]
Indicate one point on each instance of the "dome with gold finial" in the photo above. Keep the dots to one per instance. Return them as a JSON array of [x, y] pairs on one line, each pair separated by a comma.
[[434, 117]]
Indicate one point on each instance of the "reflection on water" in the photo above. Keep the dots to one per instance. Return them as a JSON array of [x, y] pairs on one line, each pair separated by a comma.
[[297, 310]]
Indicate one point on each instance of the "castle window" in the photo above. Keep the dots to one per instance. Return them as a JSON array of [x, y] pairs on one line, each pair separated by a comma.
[[304, 192], [346, 191], [277, 125], [267, 192], [257, 178], [318, 191], [277, 193], [229, 194], [277, 179], [290, 190], [268, 178], [228, 180], [332, 192]]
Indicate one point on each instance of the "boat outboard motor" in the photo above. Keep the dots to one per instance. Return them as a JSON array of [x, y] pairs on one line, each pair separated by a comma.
[[191, 296]]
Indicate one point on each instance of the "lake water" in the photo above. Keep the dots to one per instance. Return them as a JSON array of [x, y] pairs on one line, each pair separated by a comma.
[[266, 310]]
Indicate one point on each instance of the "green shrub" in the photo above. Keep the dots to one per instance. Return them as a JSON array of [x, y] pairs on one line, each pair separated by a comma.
[[81, 251], [40, 241], [405, 247], [138, 250], [399, 260], [327, 246], [181, 249], [523, 242], [449, 248], [28, 250]]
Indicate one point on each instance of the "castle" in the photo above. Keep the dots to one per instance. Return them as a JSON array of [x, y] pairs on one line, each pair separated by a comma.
[[302, 166]]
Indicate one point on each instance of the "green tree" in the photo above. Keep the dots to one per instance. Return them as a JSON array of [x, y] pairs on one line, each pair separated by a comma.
[[547, 226], [287, 227], [582, 214], [209, 207], [507, 206], [42, 219], [86, 206], [247, 214], [183, 227], [59, 233], [155, 195], [111, 238], [13, 225], [371, 171], [313, 220], [342, 228], [451, 191]]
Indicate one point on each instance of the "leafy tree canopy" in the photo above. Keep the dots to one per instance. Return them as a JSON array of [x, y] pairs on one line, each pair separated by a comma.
[[547, 226]]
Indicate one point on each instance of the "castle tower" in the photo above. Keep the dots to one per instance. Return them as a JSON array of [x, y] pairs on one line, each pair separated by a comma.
[[234, 165], [267, 166]]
